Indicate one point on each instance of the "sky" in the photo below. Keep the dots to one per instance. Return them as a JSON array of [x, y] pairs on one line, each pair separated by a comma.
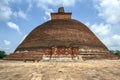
[[19, 17]]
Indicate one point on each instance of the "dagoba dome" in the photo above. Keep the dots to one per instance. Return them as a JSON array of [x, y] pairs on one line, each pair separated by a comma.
[[60, 34]]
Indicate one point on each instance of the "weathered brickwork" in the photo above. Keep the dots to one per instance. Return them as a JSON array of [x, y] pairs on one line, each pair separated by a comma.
[[61, 37]]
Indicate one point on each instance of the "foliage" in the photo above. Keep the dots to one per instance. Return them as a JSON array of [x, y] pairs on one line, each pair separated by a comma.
[[2, 54], [116, 52]]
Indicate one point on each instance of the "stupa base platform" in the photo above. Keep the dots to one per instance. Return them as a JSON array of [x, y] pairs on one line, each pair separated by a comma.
[[24, 56], [36, 56], [99, 56]]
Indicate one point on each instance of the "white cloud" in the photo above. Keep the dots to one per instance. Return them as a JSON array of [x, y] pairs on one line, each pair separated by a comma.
[[44, 18], [5, 10], [44, 6], [46, 3], [113, 42], [20, 14], [68, 2], [106, 35], [101, 29], [7, 42], [30, 4], [109, 10], [117, 37], [16, 1], [116, 40], [14, 26], [47, 13]]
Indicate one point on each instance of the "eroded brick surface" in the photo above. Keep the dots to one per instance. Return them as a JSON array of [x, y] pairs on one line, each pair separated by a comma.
[[61, 32]]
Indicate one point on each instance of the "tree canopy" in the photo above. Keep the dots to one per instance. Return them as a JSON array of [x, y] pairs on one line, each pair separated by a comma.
[[116, 52], [2, 54]]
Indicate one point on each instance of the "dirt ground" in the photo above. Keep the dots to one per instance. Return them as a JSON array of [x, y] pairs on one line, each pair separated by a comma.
[[85, 70]]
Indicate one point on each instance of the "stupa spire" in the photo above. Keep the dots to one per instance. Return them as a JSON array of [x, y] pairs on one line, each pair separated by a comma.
[[61, 10], [61, 14]]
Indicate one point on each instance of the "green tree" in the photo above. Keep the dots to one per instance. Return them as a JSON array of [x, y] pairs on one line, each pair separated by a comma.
[[116, 52], [2, 54]]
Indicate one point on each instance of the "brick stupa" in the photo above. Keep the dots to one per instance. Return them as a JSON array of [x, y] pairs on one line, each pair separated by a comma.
[[61, 38]]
